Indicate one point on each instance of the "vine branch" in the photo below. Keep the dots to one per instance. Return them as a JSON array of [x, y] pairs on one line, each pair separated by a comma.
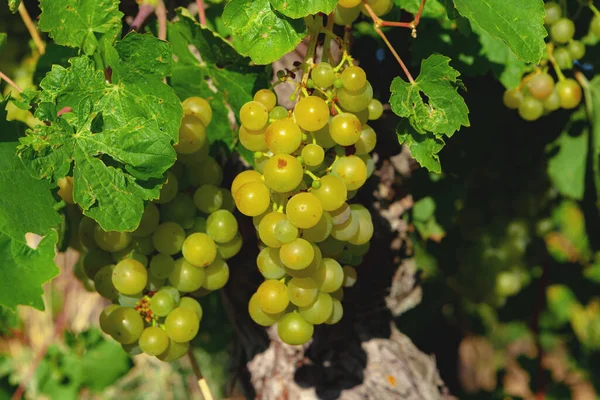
[[204, 389], [201, 12], [10, 81], [144, 12], [35, 35], [161, 14]]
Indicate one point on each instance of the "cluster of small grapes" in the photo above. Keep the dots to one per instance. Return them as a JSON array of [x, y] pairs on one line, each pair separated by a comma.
[[537, 94], [178, 251], [309, 162]]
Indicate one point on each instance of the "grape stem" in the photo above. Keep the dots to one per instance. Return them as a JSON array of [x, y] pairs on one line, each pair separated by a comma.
[[39, 43], [327, 45], [559, 73], [201, 12], [144, 12], [313, 176], [585, 85], [594, 9], [10, 81], [204, 389], [161, 14]]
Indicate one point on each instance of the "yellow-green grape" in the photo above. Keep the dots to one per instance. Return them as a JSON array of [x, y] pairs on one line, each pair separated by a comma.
[[185, 277], [345, 16], [229, 249], [191, 304], [379, 7], [149, 222], [531, 108], [319, 311], [243, 178], [254, 115], [86, 229], [365, 225], [562, 31], [104, 318], [143, 245], [65, 189], [349, 276], [199, 249], [354, 78], [576, 49], [304, 210], [302, 292], [198, 226], [130, 253], [323, 137], [266, 228], [208, 198], [367, 141], [221, 226], [512, 98], [266, 97], [169, 189], [345, 129], [181, 210], [174, 352], [126, 325], [331, 277], [282, 174], [355, 101], [272, 296], [337, 313], [162, 303], [312, 269], [198, 107], [351, 170], [252, 140], [294, 330], [323, 75], [349, 3], [540, 85], [313, 155], [182, 325], [168, 238], [103, 283], [208, 172], [283, 136], [269, 264], [258, 315], [320, 231], [595, 26], [278, 112], [569, 92], [252, 198], [346, 230], [228, 202], [362, 115], [298, 254], [553, 12], [161, 266], [311, 113], [112, 240], [285, 231], [217, 275], [563, 58], [332, 192], [192, 135], [129, 276], [340, 215], [153, 341], [375, 109], [94, 259]]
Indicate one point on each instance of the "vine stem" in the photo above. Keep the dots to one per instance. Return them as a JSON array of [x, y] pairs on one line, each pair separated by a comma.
[[594, 9], [10, 81], [161, 14], [201, 12], [327, 45], [39, 43], [202, 383], [559, 73], [144, 12]]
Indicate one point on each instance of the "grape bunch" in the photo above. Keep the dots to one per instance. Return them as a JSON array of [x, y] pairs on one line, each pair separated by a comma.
[[347, 11], [538, 93], [309, 162], [178, 252]]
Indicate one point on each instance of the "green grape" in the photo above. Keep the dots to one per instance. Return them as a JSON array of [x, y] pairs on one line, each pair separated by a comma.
[[283, 136], [562, 30], [345, 16], [231, 248], [168, 238], [379, 7], [552, 102], [323, 75], [540, 85], [359, 250], [86, 229], [313, 155], [258, 315], [512, 98], [130, 301], [331, 277], [174, 352], [298, 254], [311, 113], [553, 12], [153, 341], [294, 330], [282, 174], [576, 49], [563, 58], [243, 178], [349, 3], [228, 202], [129, 276], [65, 190], [198, 107], [217, 275], [253, 198], [173, 292], [332, 193], [320, 231], [189, 160], [531, 109], [162, 303], [266, 228], [285, 231], [331, 247], [103, 283], [169, 189], [354, 78], [154, 283], [111, 241], [192, 135], [319, 311], [341, 215], [180, 210], [208, 198], [272, 296], [569, 92], [337, 313], [182, 325], [595, 25], [323, 138], [254, 115], [365, 225], [208, 172], [143, 245], [185, 277], [126, 325], [221, 226], [93, 260], [302, 292], [355, 101], [375, 109], [278, 112], [347, 230], [312, 268], [105, 318], [191, 304], [351, 170], [304, 210], [349, 276], [367, 141], [362, 115], [345, 129], [199, 249], [199, 225], [269, 264], [251, 140], [266, 97]]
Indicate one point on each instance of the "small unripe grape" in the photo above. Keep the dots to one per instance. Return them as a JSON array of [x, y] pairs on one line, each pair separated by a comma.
[[595, 26], [267, 97], [576, 49], [553, 12], [254, 115], [198, 107], [531, 109], [562, 30], [569, 92], [540, 86], [563, 59], [512, 98]]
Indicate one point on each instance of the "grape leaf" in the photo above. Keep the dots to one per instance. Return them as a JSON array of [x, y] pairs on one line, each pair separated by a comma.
[[446, 110], [265, 34], [424, 148], [594, 90], [519, 23], [299, 9], [13, 5], [79, 23], [117, 138], [424, 220], [212, 59]]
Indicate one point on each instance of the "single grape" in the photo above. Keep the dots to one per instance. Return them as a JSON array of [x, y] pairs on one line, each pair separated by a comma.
[[173, 292], [367, 141], [365, 225], [182, 325], [351, 170], [553, 12], [208, 198], [243, 178], [354, 78], [168, 238], [169, 189], [576, 49], [562, 30], [129, 276], [313, 155], [304, 210], [93, 260], [323, 138], [266, 228], [541, 85], [126, 325], [331, 277], [272, 296], [199, 108], [86, 229], [104, 319], [278, 112], [217, 275], [595, 25], [341, 215], [253, 198], [254, 115], [319, 311], [192, 135], [349, 276], [258, 315], [563, 59], [191, 304], [311, 113], [221, 226], [130, 300], [298, 254], [162, 303], [332, 193], [320, 231], [345, 129], [208, 172], [282, 174], [153, 341], [337, 313], [379, 7], [285, 231], [355, 101], [112, 240], [294, 330], [313, 267], [185, 277], [251, 140], [346, 230], [266, 97], [199, 250], [323, 75], [180, 210], [103, 283], [231, 248], [302, 292], [283, 136], [174, 351], [65, 189], [345, 16], [569, 92], [198, 226], [269, 264], [552, 102], [512, 98], [375, 109], [149, 222]]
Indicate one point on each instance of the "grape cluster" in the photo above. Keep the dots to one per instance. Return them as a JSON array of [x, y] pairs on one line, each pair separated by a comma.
[[347, 11], [178, 251], [309, 162]]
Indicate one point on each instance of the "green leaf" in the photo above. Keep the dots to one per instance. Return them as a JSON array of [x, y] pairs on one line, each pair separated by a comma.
[[118, 137], [567, 167], [13, 5], [229, 73], [299, 9], [424, 220], [594, 91], [424, 148], [592, 273], [519, 23], [3, 37], [79, 23], [266, 35], [561, 301], [445, 112], [432, 9], [55, 54]]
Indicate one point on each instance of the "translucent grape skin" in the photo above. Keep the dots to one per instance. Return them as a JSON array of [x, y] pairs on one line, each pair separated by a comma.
[[161, 265], [129, 276], [302, 292], [217, 275], [182, 325], [103, 283], [253, 198], [312, 113], [354, 78], [252, 141], [569, 92], [332, 192], [283, 136], [191, 304], [243, 178], [349, 3], [313, 155], [595, 25], [297, 255], [104, 318], [337, 313], [126, 325], [321, 231], [168, 238], [258, 315], [562, 56], [319, 311], [304, 210], [576, 49], [355, 101], [198, 107], [323, 75], [199, 249], [162, 303], [192, 135], [185, 277], [254, 115], [153, 341], [345, 16], [269, 264], [278, 112], [266, 97], [208, 198], [282, 174], [221, 226], [266, 228], [231, 248], [331, 277], [285, 231], [531, 109], [273, 296], [352, 170], [111, 241], [366, 142], [541, 85], [553, 12], [512, 98], [375, 109], [294, 330], [345, 129], [349, 276], [379, 7], [562, 30]]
